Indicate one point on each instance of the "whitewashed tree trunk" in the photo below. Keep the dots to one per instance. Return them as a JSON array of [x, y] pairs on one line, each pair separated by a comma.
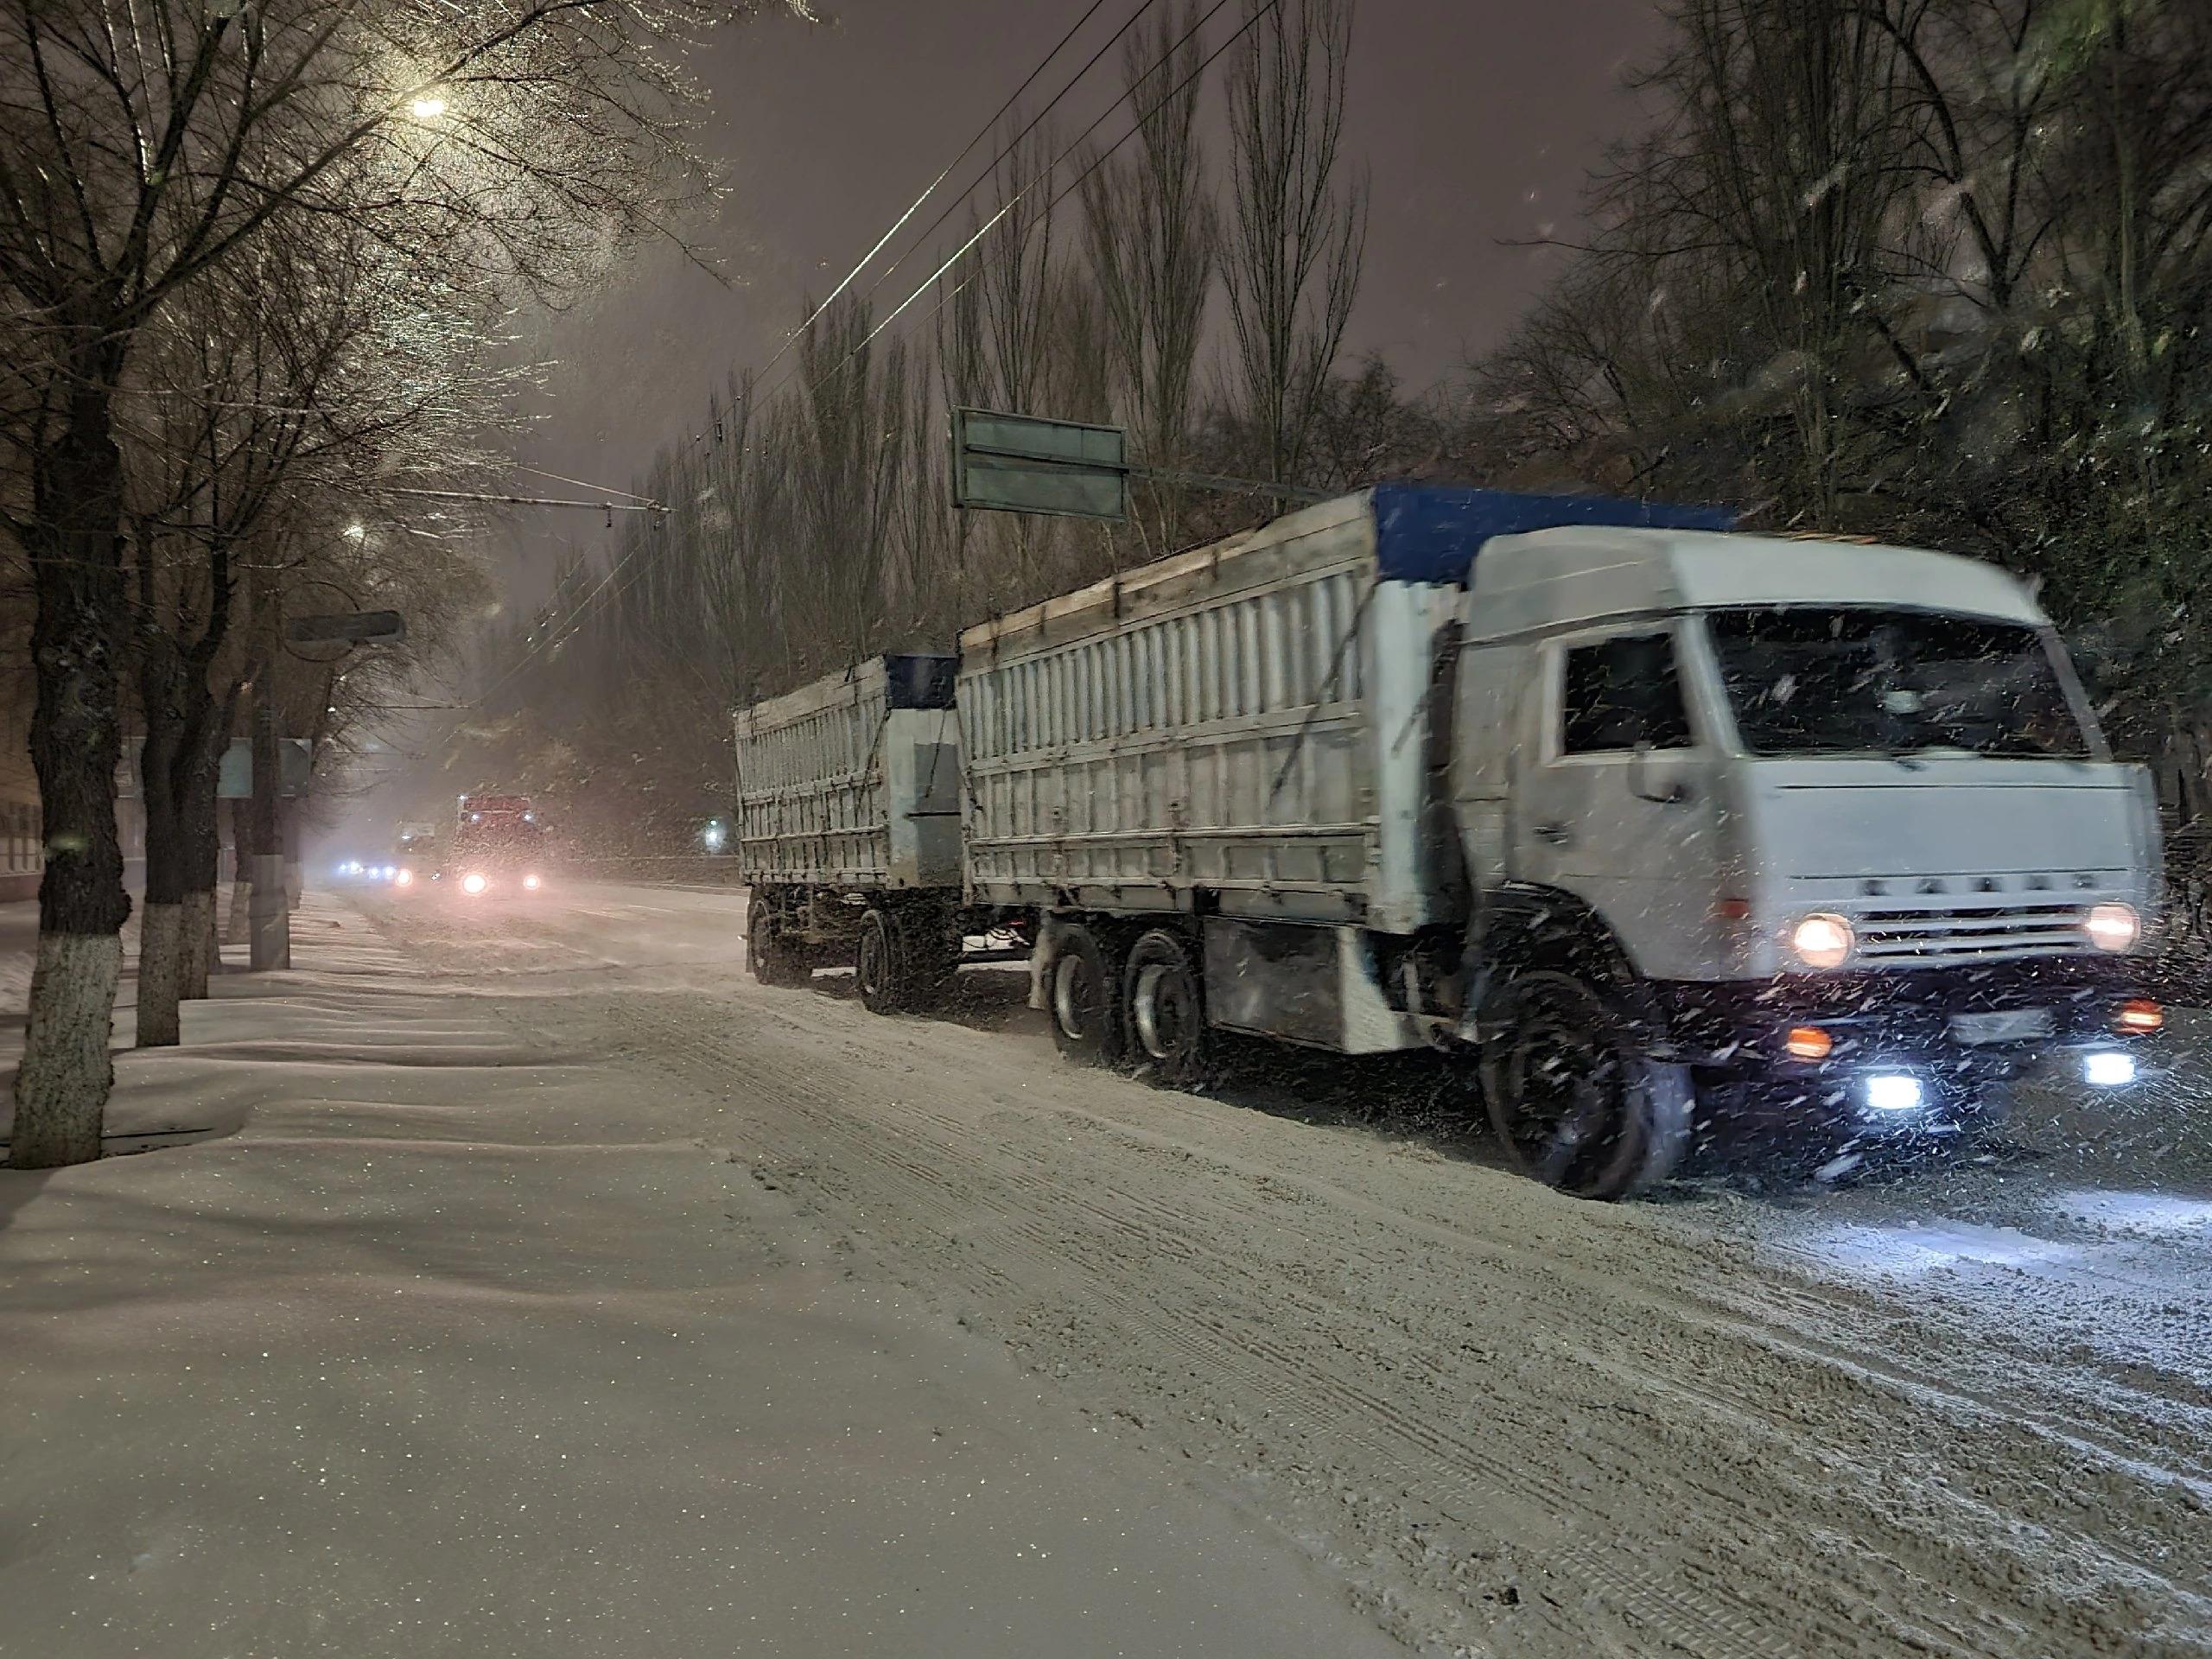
[[160, 974], [197, 946], [61, 1088]]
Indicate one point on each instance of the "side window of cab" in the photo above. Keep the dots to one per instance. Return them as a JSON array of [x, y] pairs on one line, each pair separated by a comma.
[[1619, 693]]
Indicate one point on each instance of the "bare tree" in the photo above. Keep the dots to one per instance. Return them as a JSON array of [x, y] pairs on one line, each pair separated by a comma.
[[1293, 252], [1153, 231], [143, 149]]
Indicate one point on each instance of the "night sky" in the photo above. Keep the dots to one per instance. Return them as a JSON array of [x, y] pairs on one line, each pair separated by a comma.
[[1479, 120]]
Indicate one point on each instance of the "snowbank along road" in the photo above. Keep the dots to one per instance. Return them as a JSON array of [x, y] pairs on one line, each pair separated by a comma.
[[1958, 1411]]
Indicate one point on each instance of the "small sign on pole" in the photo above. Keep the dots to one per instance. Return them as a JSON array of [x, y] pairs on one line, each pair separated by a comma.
[[234, 782], [1017, 463]]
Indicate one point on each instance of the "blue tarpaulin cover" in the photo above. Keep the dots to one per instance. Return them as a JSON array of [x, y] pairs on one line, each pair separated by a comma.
[[1431, 532]]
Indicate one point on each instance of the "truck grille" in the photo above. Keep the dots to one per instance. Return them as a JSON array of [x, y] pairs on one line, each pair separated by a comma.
[[1942, 936]]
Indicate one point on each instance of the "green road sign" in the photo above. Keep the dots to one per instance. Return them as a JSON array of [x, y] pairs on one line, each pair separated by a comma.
[[235, 781], [1016, 463], [347, 628]]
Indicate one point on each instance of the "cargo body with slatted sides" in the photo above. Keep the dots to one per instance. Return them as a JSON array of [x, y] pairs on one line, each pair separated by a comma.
[[847, 828], [1650, 820]]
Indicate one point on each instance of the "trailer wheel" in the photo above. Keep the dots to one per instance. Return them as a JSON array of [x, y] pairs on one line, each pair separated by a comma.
[[879, 965], [902, 962], [1574, 1100], [1165, 997], [771, 957], [1085, 999]]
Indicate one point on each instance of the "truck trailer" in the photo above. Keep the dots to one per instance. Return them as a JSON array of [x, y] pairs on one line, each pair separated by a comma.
[[849, 829], [1635, 811]]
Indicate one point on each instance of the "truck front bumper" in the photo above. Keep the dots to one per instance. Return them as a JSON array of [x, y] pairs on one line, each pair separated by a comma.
[[1913, 1045]]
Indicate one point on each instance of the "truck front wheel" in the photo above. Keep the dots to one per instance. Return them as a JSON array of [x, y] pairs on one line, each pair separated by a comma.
[[1575, 1101]]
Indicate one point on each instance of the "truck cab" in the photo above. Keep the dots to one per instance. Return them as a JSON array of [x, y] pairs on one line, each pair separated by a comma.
[[1829, 826], [497, 847]]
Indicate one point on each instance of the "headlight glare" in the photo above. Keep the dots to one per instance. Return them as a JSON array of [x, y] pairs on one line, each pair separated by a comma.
[[1822, 939], [2112, 927]]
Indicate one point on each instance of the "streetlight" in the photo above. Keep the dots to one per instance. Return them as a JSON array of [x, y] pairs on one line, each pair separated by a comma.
[[429, 107], [356, 531], [712, 835]]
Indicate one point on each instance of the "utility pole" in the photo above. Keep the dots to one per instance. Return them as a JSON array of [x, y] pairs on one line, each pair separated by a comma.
[[269, 912]]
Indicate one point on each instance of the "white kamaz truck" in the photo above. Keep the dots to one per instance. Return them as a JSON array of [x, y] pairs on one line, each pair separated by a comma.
[[1641, 814]]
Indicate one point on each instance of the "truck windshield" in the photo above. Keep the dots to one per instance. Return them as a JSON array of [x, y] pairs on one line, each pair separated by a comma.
[[1806, 680]]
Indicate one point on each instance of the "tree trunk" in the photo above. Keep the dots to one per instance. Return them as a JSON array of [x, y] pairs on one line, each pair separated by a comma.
[[203, 845], [62, 1085], [161, 673]]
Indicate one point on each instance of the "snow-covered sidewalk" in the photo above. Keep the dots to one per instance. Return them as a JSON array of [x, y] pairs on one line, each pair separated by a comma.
[[423, 1341]]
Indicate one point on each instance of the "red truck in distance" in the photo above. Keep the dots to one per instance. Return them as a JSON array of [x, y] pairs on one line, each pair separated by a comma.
[[498, 846]]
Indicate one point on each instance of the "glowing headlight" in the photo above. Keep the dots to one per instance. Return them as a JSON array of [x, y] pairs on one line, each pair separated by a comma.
[[474, 882], [2112, 927], [1893, 1091], [404, 878], [2109, 1069], [1823, 940], [530, 882]]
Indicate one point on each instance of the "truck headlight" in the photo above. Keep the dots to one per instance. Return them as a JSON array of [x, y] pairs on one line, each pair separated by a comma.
[[1822, 939], [2112, 927]]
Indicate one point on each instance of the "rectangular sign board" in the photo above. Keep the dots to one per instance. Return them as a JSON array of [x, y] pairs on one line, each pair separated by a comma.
[[1017, 463], [347, 628], [236, 782]]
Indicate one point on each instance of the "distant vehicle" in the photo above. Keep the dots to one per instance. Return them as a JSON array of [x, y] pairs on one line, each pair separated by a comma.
[[1646, 817], [415, 850], [497, 846]]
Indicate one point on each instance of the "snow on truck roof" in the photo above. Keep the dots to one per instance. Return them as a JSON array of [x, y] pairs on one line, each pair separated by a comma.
[[1534, 580], [1535, 559]]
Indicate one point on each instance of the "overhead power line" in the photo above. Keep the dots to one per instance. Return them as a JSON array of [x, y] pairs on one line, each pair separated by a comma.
[[966, 150], [1097, 161], [640, 505]]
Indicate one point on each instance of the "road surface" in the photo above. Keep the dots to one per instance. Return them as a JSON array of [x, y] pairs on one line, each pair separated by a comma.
[[1965, 1410]]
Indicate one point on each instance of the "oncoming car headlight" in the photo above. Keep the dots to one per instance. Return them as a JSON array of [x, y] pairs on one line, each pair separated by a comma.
[[2112, 927], [474, 881], [1823, 939], [405, 878]]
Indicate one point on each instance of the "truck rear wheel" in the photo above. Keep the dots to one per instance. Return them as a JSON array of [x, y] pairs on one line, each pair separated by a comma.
[[1574, 1100], [770, 956], [1167, 1036], [1084, 995]]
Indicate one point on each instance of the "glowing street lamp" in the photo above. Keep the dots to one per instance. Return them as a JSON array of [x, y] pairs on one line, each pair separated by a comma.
[[712, 835], [429, 107]]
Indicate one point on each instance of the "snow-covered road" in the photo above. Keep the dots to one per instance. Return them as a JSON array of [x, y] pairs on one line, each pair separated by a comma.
[[1378, 1386], [1960, 1411]]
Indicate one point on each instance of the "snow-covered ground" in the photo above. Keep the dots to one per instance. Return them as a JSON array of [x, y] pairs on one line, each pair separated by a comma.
[[561, 1290], [431, 1339]]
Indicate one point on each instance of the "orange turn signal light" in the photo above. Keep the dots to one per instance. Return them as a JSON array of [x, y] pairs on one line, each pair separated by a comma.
[[1808, 1043], [2139, 1014]]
